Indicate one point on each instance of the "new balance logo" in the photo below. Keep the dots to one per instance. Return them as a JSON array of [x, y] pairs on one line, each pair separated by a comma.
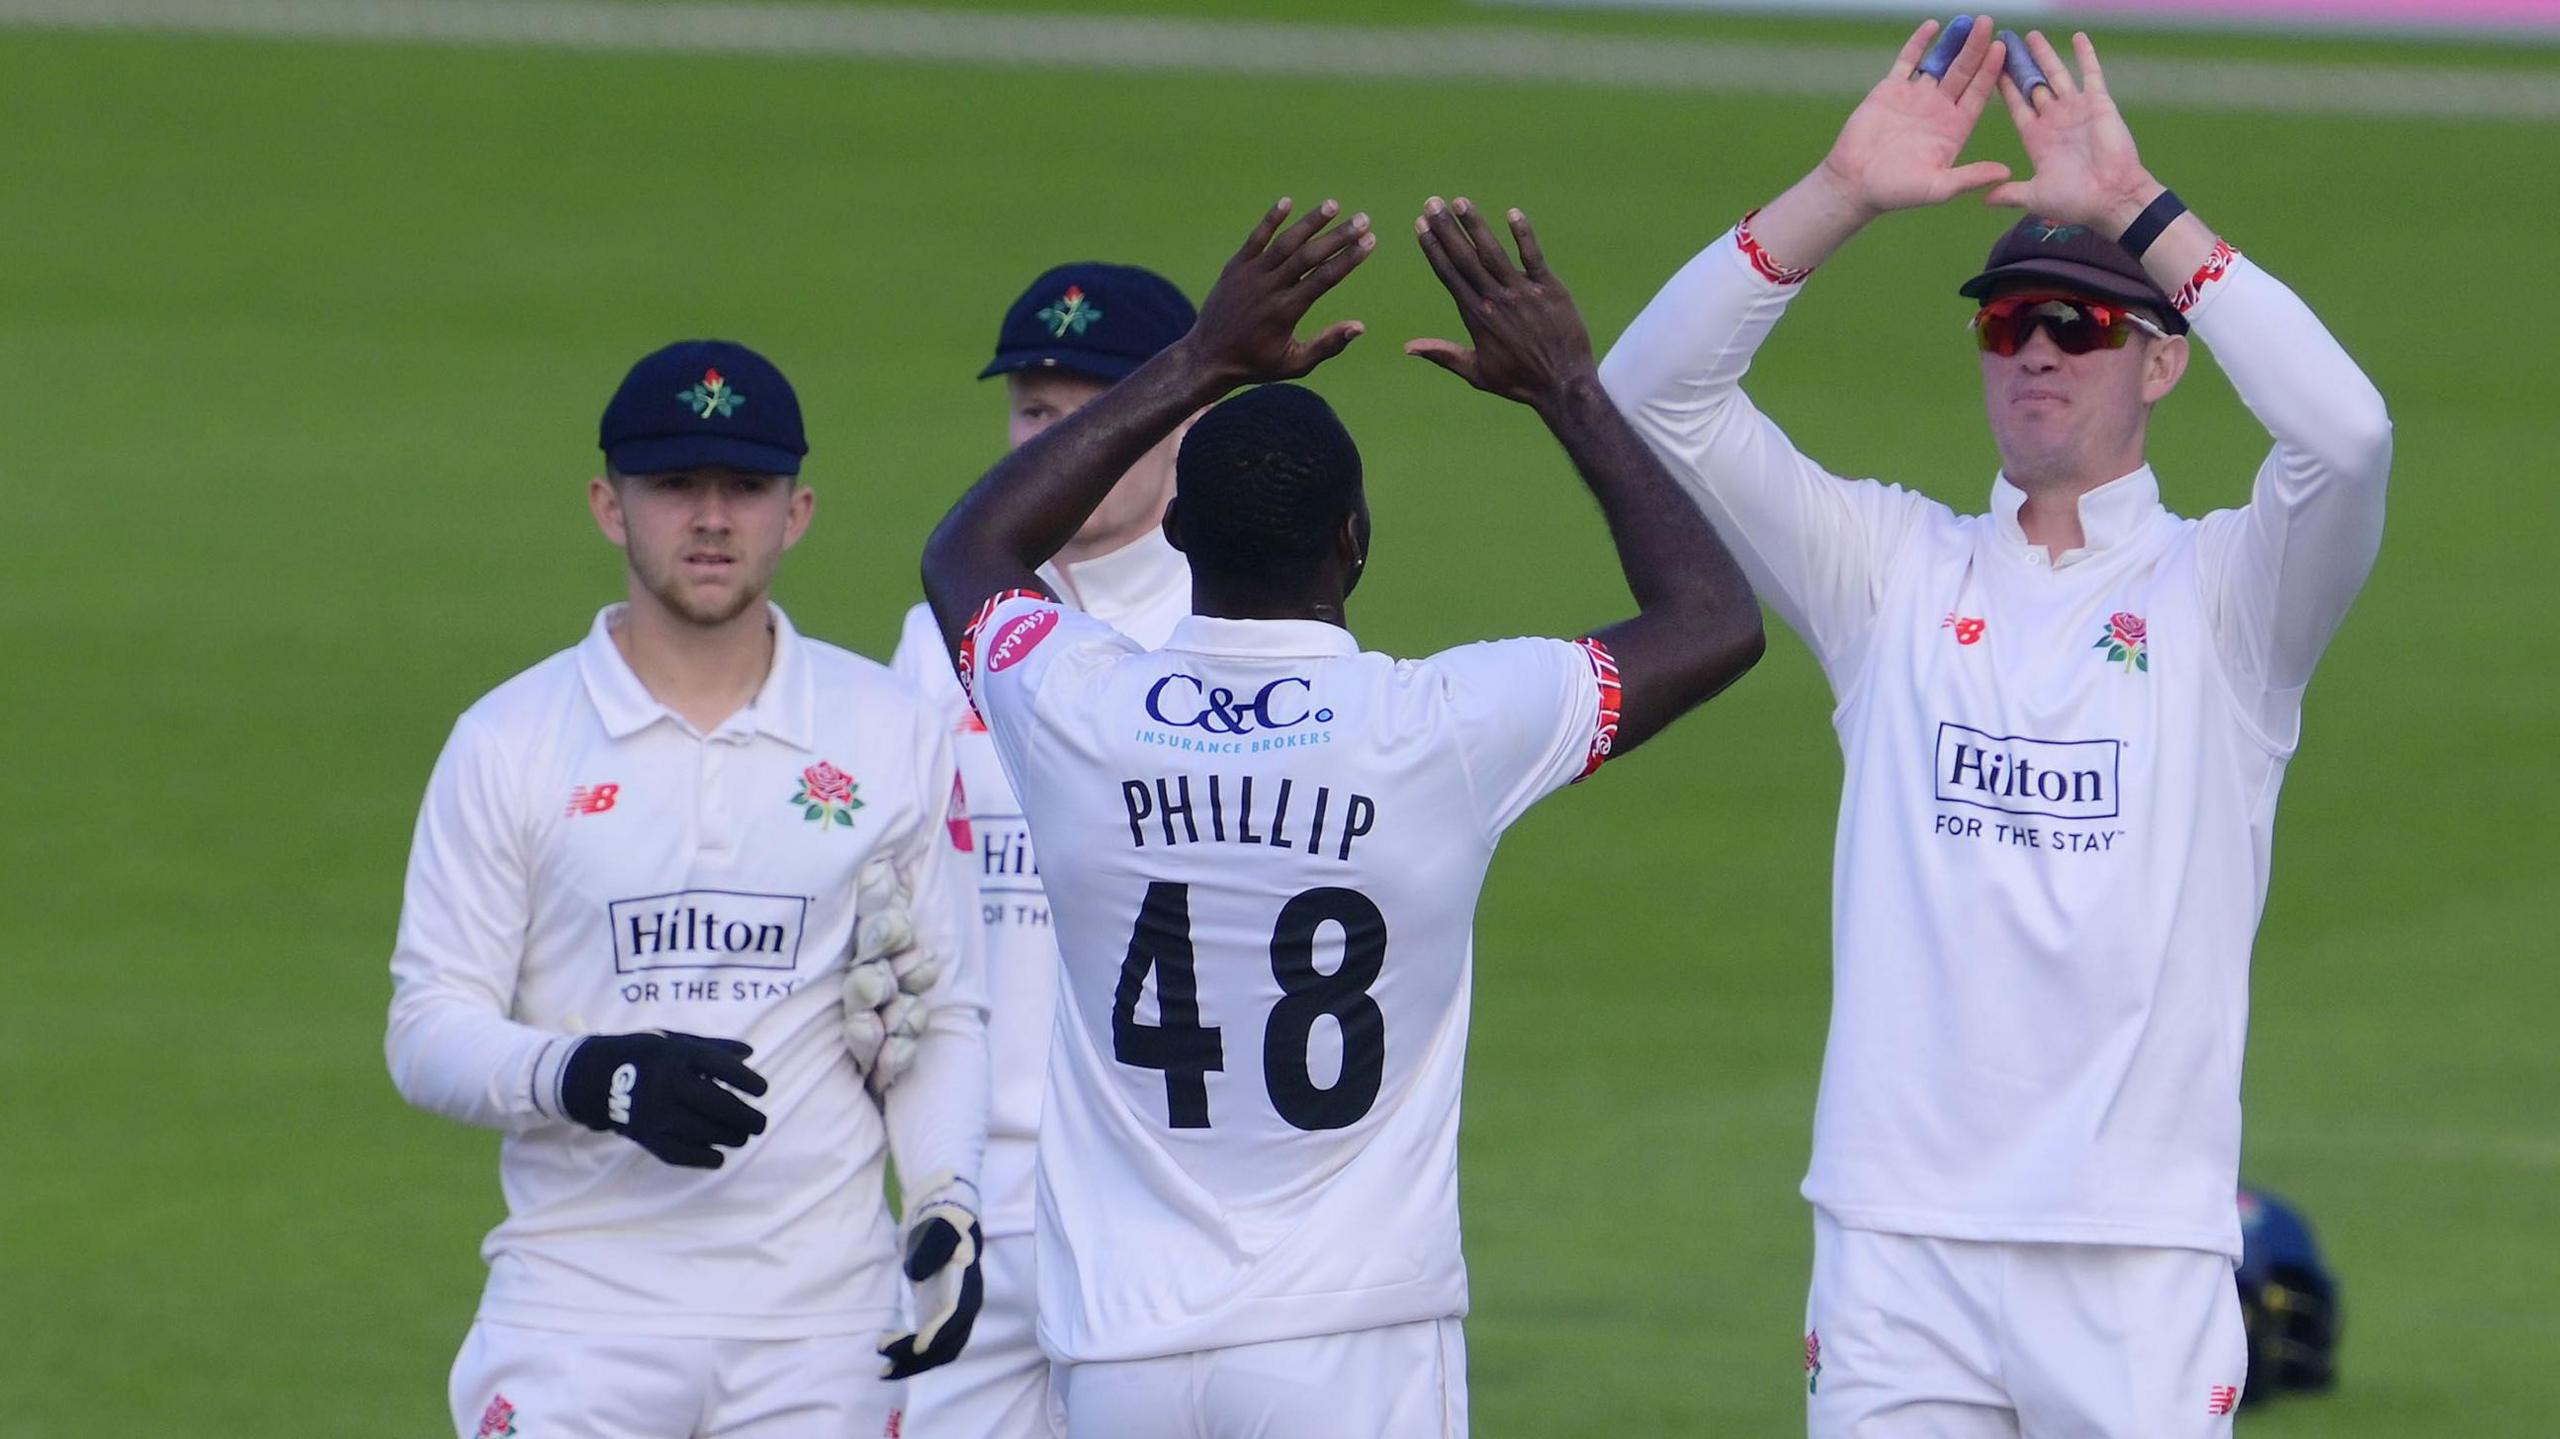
[[617, 1102], [2222, 1399], [593, 798]]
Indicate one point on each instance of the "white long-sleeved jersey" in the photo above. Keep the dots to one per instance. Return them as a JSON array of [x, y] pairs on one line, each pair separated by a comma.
[[2058, 808], [1264, 849], [1143, 590], [586, 862]]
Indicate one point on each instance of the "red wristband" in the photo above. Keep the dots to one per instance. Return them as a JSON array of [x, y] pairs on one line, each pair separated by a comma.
[[2215, 266], [1770, 270]]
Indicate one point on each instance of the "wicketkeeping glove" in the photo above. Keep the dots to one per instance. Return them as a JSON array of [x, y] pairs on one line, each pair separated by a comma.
[[666, 1092], [943, 1250], [885, 985]]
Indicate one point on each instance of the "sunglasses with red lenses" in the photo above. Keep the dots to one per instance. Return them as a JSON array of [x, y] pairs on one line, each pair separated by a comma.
[[2077, 326]]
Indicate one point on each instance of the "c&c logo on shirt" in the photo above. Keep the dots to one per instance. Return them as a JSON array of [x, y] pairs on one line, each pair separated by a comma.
[[707, 929], [1183, 702], [1019, 639], [2061, 779]]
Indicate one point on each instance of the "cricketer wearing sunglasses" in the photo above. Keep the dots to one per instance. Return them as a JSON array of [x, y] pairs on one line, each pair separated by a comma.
[[2064, 723]]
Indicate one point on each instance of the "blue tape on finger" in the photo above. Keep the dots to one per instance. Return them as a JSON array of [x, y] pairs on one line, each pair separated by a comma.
[[2023, 70], [1943, 54]]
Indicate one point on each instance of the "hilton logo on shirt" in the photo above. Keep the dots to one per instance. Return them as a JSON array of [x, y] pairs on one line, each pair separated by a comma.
[[2061, 779], [707, 929], [1007, 864]]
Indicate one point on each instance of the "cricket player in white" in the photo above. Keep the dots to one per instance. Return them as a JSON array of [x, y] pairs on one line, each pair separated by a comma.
[[1263, 848], [647, 875], [1077, 330], [2064, 724]]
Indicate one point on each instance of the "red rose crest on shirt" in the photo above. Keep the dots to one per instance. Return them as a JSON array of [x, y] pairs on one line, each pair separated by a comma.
[[498, 1420], [827, 796], [2127, 642]]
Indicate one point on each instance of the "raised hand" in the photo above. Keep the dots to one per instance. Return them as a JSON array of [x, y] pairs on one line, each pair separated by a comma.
[[2087, 171], [1530, 344], [1247, 330], [1899, 147]]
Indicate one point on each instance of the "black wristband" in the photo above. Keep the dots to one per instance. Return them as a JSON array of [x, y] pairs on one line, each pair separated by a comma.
[[2157, 216]]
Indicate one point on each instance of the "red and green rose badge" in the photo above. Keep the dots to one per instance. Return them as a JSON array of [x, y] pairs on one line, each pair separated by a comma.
[[2127, 642], [826, 798]]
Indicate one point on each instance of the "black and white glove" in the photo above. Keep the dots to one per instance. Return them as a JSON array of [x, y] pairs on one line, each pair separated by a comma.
[[669, 1093], [943, 1251], [885, 984]]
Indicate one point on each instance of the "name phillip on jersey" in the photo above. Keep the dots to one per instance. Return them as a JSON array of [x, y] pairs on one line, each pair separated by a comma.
[[1245, 809]]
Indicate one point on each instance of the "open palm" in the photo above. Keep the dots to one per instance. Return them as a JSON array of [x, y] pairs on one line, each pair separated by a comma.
[[1899, 147], [2086, 169]]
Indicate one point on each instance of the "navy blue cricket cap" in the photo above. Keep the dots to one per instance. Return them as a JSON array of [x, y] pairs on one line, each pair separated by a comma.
[[1092, 318], [702, 403]]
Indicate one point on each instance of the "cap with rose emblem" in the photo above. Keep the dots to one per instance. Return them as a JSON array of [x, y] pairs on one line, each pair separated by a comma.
[[1091, 318], [2074, 259], [702, 404]]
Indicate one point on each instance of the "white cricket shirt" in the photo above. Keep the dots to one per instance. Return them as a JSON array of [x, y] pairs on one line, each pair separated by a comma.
[[1142, 590], [586, 862], [1262, 849], [2061, 776]]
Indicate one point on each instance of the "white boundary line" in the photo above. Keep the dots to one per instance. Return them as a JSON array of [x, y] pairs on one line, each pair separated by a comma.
[[1270, 48], [2239, 20]]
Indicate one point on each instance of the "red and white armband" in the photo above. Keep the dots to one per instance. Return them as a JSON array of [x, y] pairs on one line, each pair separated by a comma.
[[971, 636], [1604, 732]]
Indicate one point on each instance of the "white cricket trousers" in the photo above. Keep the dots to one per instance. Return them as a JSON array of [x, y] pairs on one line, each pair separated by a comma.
[[999, 1386], [1404, 1381], [1908, 1337], [542, 1384]]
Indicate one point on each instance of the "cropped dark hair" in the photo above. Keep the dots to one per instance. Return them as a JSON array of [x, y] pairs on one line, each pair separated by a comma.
[[1264, 481]]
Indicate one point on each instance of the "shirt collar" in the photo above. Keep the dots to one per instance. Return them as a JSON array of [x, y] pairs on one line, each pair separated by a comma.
[[1122, 583], [1201, 634], [784, 708], [2109, 515]]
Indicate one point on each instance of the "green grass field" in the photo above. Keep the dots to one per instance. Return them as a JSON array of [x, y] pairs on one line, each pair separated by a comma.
[[305, 344]]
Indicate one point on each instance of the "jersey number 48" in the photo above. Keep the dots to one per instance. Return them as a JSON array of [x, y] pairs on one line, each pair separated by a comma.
[[1186, 1050]]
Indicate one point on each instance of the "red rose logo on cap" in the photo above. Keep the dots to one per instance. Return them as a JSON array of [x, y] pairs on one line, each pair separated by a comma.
[[1070, 311], [1020, 638], [710, 396], [826, 798]]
